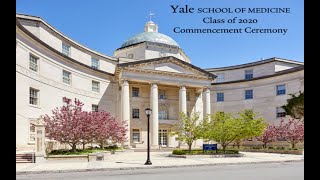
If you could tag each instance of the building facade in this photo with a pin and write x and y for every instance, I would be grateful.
(148, 70)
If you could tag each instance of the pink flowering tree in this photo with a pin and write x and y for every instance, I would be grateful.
(270, 134)
(108, 128)
(88, 129)
(66, 124)
(292, 131)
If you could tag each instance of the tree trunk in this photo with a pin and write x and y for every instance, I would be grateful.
(101, 145)
(224, 148)
(83, 145)
(74, 147)
(238, 144)
(265, 145)
(293, 145)
(189, 144)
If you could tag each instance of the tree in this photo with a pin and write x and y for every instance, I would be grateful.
(250, 126)
(223, 128)
(270, 134)
(107, 128)
(70, 124)
(292, 131)
(187, 128)
(295, 106)
(66, 124)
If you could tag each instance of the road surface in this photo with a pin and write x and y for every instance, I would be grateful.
(267, 171)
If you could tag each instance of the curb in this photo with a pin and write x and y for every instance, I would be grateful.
(146, 167)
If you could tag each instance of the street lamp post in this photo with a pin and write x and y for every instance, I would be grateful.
(148, 113)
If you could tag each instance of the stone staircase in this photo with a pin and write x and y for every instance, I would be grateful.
(164, 149)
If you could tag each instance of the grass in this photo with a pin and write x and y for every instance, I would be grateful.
(201, 152)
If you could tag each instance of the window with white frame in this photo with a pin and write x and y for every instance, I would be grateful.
(162, 94)
(135, 114)
(248, 74)
(135, 92)
(220, 77)
(281, 89)
(163, 114)
(34, 96)
(95, 108)
(188, 96)
(66, 77)
(95, 86)
(65, 49)
(249, 94)
(33, 63)
(220, 97)
(135, 135)
(32, 132)
(94, 63)
(281, 112)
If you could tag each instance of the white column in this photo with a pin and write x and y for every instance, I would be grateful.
(125, 114)
(183, 99)
(207, 109)
(154, 115)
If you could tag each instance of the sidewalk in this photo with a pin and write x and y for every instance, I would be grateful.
(136, 160)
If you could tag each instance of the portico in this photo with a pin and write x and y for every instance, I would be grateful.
(164, 93)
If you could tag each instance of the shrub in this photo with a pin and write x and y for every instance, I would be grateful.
(270, 147)
(179, 152)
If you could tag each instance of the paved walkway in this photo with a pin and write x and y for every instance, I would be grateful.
(136, 160)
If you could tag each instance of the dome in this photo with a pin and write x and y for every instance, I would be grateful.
(150, 37)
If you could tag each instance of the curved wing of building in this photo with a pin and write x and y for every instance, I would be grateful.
(148, 70)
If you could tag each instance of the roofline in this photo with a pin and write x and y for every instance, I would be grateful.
(254, 64)
(39, 19)
(144, 42)
(288, 71)
(56, 51)
(168, 57)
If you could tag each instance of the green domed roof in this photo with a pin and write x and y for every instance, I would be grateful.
(150, 37)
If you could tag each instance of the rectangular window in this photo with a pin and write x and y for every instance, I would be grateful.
(34, 96)
(32, 132)
(95, 86)
(135, 114)
(220, 97)
(281, 112)
(66, 77)
(135, 135)
(248, 74)
(65, 49)
(220, 77)
(33, 63)
(188, 96)
(163, 114)
(135, 92)
(281, 89)
(94, 63)
(162, 94)
(95, 108)
(249, 94)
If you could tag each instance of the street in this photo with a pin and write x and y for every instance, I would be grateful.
(265, 171)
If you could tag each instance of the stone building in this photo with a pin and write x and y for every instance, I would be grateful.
(148, 70)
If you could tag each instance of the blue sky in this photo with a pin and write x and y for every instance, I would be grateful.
(105, 25)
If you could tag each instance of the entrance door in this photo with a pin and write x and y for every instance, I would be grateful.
(163, 137)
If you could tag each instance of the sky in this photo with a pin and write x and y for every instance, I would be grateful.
(105, 25)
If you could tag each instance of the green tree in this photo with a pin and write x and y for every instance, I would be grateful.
(222, 128)
(295, 105)
(251, 125)
(187, 128)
